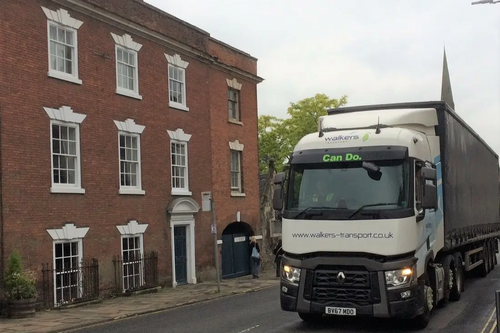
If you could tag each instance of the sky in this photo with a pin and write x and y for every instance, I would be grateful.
(374, 52)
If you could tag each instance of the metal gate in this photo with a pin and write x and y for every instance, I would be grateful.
(180, 251)
(235, 255)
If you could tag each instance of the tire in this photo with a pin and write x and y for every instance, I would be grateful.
(449, 278)
(484, 268)
(422, 320)
(492, 255)
(495, 244)
(458, 277)
(487, 257)
(309, 317)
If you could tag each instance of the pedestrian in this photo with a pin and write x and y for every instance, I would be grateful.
(255, 257)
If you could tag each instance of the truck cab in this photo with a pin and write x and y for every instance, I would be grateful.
(362, 217)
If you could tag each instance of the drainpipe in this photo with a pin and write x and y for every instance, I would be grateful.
(2, 222)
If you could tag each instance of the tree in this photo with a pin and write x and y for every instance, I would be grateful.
(278, 137)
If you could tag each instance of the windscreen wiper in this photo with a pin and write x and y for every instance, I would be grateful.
(371, 205)
(315, 213)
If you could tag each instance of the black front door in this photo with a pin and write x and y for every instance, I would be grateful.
(180, 254)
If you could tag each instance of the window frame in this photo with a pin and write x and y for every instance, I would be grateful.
(180, 190)
(79, 242)
(67, 188)
(61, 19)
(124, 189)
(127, 44)
(179, 136)
(239, 188)
(236, 147)
(74, 78)
(177, 105)
(134, 93)
(237, 105)
(140, 260)
(234, 85)
(175, 61)
(130, 128)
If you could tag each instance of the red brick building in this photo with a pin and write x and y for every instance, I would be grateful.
(115, 116)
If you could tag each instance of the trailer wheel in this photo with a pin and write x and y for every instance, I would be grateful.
(494, 242)
(492, 254)
(484, 268)
(495, 245)
(309, 317)
(458, 279)
(460, 261)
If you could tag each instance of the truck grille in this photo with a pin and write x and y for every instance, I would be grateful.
(358, 296)
(350, 279)
(342, 286)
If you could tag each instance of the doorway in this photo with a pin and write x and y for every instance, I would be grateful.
(180, 250)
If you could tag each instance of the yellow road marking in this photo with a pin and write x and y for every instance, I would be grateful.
(488, 322)
(494, 326)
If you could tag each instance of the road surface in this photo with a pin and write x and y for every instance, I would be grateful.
(260, 312)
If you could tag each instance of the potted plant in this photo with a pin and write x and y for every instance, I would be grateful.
(20, 288)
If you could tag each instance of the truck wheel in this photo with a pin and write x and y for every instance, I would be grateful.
(484, 268)
(422, 320)
(309, 317)
(449, 278)
(495, 245)
(492, 255)
(458, 279)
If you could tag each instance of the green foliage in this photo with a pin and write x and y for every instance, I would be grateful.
(278, 137)
(19, 284)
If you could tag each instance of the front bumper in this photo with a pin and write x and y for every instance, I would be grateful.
(368, 294)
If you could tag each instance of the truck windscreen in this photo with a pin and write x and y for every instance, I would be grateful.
(348, 190)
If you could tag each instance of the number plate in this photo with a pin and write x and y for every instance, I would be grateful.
(340, 311)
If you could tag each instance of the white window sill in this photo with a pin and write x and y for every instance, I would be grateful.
(178, 106)
(131, 191)
(128, 93)
(64, 76)
(234, 121)
(238, 194)
(181, 192)
(68, 190)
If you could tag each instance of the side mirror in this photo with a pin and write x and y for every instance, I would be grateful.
(277, 199)
(429, 174)
(429, 199)
(279, 178)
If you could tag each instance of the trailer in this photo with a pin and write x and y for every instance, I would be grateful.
(384, 209)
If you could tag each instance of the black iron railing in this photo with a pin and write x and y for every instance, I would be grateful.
(64, 286)
(136, 272)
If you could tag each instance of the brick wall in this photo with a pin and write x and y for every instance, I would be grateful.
(29, 209)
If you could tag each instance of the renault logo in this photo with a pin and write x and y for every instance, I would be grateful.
(341, 277)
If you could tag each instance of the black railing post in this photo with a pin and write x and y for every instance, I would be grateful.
(85, 276)
(96, 276)
(148, 264)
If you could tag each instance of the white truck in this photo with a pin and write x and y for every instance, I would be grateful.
(383, 211)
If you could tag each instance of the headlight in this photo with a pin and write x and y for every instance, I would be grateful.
(291, 274)
(399, 278)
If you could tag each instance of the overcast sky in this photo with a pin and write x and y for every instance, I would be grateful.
(380, 51)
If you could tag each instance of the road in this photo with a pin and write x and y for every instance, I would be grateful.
(260, 312)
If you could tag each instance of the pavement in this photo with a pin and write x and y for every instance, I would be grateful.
(108, 310)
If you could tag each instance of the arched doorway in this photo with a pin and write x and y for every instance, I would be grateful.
(236, 250)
